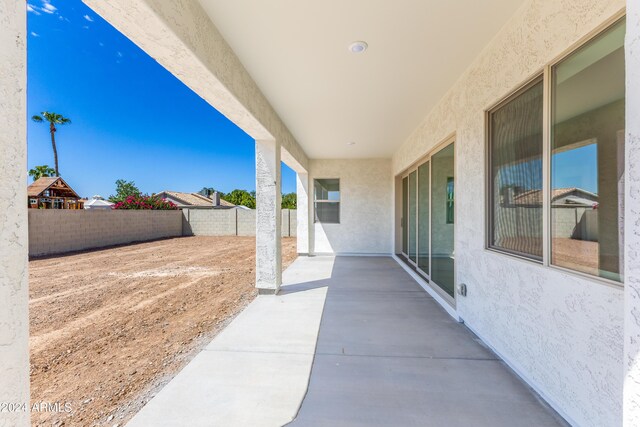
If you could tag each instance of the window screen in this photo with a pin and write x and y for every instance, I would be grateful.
(515, 170)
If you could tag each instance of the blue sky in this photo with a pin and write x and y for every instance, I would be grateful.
(576, 168)
(572, 168)
(131, 119)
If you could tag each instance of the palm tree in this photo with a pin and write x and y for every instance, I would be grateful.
(40, 171)
(53, 119)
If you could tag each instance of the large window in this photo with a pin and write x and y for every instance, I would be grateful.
(583, 191)
(327, 200)
(515, 156)
(587, 157)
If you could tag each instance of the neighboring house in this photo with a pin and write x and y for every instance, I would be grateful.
(575, 215)
(560, 197)
(98, 203)
(52, 193)
(196, 200)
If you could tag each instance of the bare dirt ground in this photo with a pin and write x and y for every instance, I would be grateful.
(578, 255)
(110, 327)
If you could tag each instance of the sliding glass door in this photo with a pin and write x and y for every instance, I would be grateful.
(442, 218)
(428, 219)
(405, 211)
(413, 183)
(423, 218)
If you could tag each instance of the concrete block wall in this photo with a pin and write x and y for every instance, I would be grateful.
(293, 222)
(289, 222)
(231, 222)
(246, 222)
(209, 222)
(54, 231)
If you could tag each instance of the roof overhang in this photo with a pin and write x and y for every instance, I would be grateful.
(343, 105)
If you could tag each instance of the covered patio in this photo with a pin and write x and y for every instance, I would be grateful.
(374, 348)
(428, 138)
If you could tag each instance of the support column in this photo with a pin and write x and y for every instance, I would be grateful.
(268, 217)
(14, 297)
(631, 390)
(305, 224)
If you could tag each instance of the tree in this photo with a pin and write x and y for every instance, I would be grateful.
(40, 171)
(53, 119)
(124, 189)
(289, 201)
(240, 198)
(139, 202)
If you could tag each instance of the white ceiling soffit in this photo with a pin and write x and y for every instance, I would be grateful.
(297, 52)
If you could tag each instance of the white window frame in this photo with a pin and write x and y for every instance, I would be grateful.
(316, 200)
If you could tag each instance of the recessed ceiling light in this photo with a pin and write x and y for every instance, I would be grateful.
(351, 143)
(358, 47)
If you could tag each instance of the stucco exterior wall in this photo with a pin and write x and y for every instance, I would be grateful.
(632, 226)
(14, 295)
(562, 332)
(54, 231)
(365, 207)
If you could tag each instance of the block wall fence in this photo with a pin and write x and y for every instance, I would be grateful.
(55, 231)
(230, 222)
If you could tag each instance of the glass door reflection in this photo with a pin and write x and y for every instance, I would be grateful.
(442, 219)
(412, 216)
(423, 217)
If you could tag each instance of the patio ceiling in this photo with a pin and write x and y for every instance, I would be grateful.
(297, 52)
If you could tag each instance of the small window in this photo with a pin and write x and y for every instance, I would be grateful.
(327, 200)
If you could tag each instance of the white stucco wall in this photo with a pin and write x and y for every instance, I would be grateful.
(632, 226)
(365, 207)
(14, 296)
(303, 218)
(563, 333)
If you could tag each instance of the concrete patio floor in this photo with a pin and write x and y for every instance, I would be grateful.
(350, 341)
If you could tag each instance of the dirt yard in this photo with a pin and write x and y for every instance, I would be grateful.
(110, 327)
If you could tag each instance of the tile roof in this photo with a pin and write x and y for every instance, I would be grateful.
(194, 199)
(534, 197)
